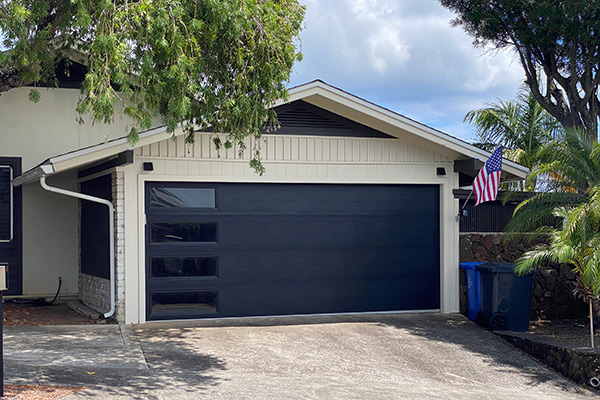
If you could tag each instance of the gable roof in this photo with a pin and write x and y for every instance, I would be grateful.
(317, 93)
(362, 111)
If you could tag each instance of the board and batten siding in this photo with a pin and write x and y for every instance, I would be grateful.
(296, 156)
(287, 158)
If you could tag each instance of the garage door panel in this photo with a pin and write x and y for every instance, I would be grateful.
(327, 297)
(373, 231)
(290, 266)
(294, 249)
(323, 199)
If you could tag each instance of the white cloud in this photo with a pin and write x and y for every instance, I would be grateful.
(403, 55)
(387, 49)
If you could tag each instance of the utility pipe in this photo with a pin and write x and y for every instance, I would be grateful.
(111, 230)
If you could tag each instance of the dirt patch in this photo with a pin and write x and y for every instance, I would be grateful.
(568, 332)
(58, 314)
(18, 392)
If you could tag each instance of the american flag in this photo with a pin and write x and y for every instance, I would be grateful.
(486, 183)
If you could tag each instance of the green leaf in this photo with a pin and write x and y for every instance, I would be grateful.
(34, 95)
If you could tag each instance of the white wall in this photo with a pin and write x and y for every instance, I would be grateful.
(35, 132)
(50, 244)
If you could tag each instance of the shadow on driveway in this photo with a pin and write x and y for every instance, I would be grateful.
(104, 359)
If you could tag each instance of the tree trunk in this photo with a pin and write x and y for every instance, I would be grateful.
(591, 323)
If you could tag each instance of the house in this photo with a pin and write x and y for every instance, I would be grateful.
(356, 212)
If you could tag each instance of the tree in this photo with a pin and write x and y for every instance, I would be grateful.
(558, 38)
(571, 165)
(577, 243)
(568, 214)
(196, 63)
(522, 126)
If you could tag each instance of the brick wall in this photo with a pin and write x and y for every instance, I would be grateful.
(119, 203)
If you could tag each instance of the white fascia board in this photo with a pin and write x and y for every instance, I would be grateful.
(90, 155)
(95, 153)
(319, 88)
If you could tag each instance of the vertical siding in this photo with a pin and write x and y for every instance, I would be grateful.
(295, 149)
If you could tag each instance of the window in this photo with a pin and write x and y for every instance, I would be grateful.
(182, 197)
(168, 267)
(165, 304)
(169, 232)
(6, 204)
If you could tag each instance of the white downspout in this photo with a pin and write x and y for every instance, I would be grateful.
(111, 230)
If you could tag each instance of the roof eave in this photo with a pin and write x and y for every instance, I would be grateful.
(87, 155)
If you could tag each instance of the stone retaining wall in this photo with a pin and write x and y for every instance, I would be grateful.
(577, 364)
(552, 287)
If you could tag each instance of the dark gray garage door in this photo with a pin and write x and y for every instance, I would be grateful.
(222, 250)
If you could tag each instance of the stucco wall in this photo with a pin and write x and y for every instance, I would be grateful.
(36, 131)
(50, 226)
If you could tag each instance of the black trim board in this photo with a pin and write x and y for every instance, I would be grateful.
(123, 158)
(12, 252)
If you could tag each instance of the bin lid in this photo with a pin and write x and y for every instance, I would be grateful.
(497, 267)
(470, 265)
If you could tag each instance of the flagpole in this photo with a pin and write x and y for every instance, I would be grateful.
(460, 212)
(486, 181)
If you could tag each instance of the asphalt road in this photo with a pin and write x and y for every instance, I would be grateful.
(402, 356)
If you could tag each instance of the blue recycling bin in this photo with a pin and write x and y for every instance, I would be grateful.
(505, 297)
(473, 288)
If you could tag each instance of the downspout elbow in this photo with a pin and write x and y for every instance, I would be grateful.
(111, 227)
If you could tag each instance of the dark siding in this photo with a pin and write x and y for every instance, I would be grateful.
(302, 118)
(68, 75)
(486, 217)
(95, 238)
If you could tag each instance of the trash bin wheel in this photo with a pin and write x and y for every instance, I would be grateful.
(478, 318)
(498, 321)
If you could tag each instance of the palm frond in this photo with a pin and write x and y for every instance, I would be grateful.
(538, 211)
(534, 259)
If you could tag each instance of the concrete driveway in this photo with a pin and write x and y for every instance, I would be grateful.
(426, 356)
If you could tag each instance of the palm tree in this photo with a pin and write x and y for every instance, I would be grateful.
(521, 126)
(570, 169)
(577, 243)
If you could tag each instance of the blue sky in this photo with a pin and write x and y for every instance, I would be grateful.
(405, 56)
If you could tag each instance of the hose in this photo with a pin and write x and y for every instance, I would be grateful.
(38, 302)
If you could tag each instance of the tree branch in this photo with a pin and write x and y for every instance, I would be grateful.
(9, 79)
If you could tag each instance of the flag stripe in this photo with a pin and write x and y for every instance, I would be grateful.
(487, 181)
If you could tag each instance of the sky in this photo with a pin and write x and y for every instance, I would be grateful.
(404, 55)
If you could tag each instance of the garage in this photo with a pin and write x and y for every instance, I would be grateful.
(252, 249)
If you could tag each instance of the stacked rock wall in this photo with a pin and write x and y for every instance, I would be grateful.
(552, 287)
